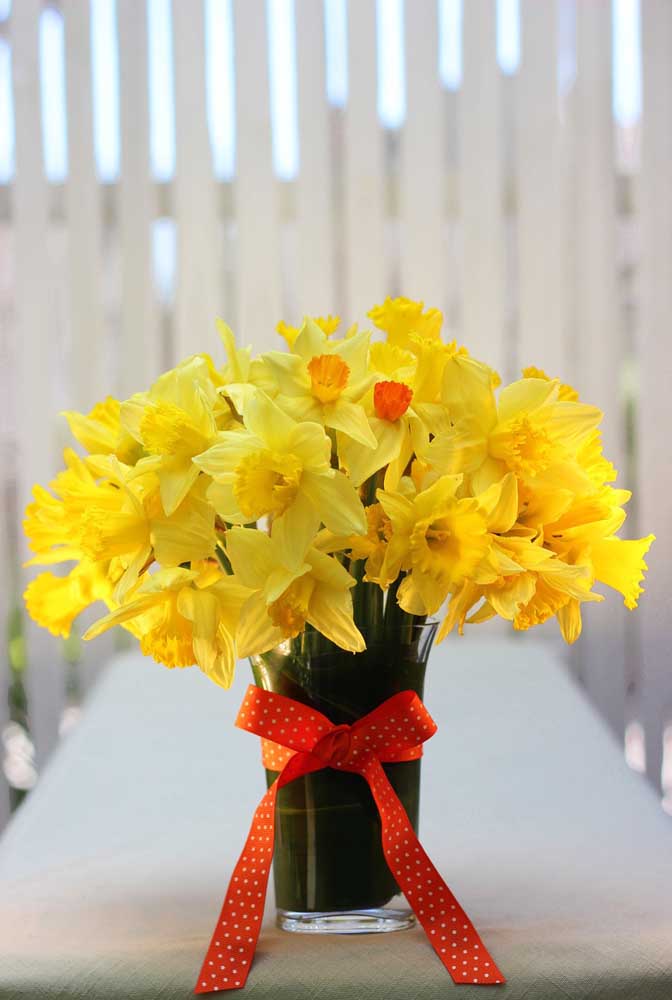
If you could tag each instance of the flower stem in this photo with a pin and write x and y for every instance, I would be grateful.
(223, 560)
(367, 600)
(398, 625)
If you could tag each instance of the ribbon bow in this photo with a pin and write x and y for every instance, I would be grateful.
(297, 740)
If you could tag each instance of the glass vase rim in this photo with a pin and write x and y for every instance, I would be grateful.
(311, 641)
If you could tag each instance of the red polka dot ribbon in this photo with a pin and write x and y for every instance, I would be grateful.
(298, 740)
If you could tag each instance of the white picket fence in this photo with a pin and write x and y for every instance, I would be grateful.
(512, 201)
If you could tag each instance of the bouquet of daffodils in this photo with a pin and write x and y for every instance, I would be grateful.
(348, 484)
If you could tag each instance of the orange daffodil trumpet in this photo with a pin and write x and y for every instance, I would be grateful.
(234, 506)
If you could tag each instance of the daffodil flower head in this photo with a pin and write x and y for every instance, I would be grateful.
(402, 319)
(290, 589)
(324, 380)
(182, 618)
(101, 431)
(369, 547)
(438, 536)
(327, 324)
(173, 422)
(280, 467)
(54, 602)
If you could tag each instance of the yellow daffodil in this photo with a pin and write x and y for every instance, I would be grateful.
(53, 524)
(290, 589)
(184, 617)
(139, 532)
(327, 324)
(54, 602)
(406, 324)
(175, 421)
(565, 391)
(528, 430)
(323, 381)
(369, 547)
(585, 534)
(394, 427)
(101, 431)
(441, 539)
(242, 373)
(281, 468)
(403, 412)
(534, 585)
(101, 520)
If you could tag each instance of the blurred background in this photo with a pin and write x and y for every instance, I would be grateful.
(164, 162)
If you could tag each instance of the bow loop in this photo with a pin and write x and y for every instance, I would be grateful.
(398, 725)
(282, 720)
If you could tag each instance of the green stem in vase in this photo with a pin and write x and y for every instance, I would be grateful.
(398, 623)
(367, 601)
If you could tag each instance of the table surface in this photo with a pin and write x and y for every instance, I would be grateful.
(113, 872)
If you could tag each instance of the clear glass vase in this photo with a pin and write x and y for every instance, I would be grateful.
(329, 869)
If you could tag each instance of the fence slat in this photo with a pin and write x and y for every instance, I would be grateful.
(314, 189)
(6, 599)
(363, 173)
(86, 361)
(257, 251)
(597, 347)
(8, 526)
(36, 360)
(480, 187)
(199, 236)
(138, 351)
(540, 196)
(423, 162)
(654, 417)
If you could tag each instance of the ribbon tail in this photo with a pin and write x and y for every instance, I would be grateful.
(231, 950)
(448, 928)
(229, 956)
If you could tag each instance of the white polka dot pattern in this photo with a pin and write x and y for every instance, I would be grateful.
(296, 741)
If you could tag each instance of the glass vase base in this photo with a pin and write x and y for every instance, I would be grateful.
(380, 920)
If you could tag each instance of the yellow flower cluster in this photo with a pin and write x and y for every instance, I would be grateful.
(228, 509)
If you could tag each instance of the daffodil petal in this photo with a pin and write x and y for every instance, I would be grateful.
(256, 632)
(223, 499)
(500, 502)
(409, 598)
(268, 422)
(620, 564)
(289, 373)
(124, 613)
(467, 391)
(176, 480)
(525, 395)
(351, 419)
(336, 501)
(295, 530)
(231, 447)
(329, 571)
(213, 646)
(250, 553)
(330, 612)
(362, 461)
(569, 620)
(311, 445)
(310, 341)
